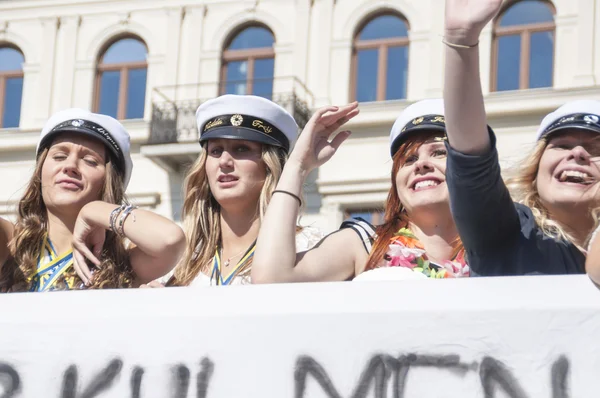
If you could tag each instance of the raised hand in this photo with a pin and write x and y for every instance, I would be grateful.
(314, 146)
(465, 19)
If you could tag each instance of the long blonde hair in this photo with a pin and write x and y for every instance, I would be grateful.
(201, 214)
(522, 184)
(32, 226)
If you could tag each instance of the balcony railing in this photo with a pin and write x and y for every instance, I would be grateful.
(174, 107)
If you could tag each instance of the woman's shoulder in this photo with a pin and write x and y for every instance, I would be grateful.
(365, 230)
(361, 223)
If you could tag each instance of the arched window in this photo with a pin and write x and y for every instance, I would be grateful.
(11, 86)
(121, 80)
(248, 64)
(380, 60)
(523, 55)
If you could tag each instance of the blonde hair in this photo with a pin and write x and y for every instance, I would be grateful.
(201, 215)
(32, 226)
(522, 184)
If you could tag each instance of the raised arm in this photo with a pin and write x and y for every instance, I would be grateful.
(463, 99)
(6, 234)
(275, 258)
(484, 212)
(157, 241)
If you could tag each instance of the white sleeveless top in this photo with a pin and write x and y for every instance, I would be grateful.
(305, 239)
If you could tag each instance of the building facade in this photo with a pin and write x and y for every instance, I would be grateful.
(151, 63)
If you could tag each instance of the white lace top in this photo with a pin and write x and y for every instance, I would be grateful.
(305, 239)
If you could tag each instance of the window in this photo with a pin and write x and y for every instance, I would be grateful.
(11, 86)
(371, 215)
(121, 80)
(248, 64)
(523, 55)
(380, 60)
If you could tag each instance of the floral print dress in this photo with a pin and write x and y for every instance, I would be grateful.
(407, 253)
(405, 250)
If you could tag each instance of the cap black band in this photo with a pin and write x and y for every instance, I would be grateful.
(87, 126)
(248, 122)
(575, 119)
(426, 120)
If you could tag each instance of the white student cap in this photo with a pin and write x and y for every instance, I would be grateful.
(246, 117)
(581, 114)
(425, 115)
(104, 128)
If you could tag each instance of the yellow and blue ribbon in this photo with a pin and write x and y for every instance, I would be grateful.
(50, 267)
(217, 272)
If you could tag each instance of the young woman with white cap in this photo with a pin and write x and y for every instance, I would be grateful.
(418, 238)
(72, 211)
(245, 141)
(556, 186)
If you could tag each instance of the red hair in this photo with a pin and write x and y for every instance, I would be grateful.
(395, 216)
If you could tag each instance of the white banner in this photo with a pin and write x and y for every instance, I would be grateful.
(486, 337)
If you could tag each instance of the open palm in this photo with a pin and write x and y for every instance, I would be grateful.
(314, 146)
(466, 18)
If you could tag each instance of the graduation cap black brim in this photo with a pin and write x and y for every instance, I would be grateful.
(572, 126)
(244, 133)
(410, 132)
(47, 141)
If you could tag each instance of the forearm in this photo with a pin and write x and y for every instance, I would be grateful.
(275, 255)
(463, 99)
(479, 198)
(275, 258)
(160, 239)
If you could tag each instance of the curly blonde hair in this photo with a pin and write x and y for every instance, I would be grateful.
(201, 214)
(522, 183)
(31, 228)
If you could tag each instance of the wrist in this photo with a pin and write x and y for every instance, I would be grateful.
(297, 168)
(462, 37)
(88, 210)
(93, 213)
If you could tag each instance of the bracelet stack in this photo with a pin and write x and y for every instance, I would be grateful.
(121, 213)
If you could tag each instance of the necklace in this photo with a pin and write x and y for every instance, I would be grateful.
(226, 263)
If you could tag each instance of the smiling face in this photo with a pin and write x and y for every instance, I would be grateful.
(235, 170)
(569, 173)
(421, 174)
(73, 173)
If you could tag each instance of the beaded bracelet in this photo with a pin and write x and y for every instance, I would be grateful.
(124, 215)
(113, 217)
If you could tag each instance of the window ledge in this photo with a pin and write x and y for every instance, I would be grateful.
(348, 186)
(17, 139)
(139, 129)
(498, 104)
(518, 102)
